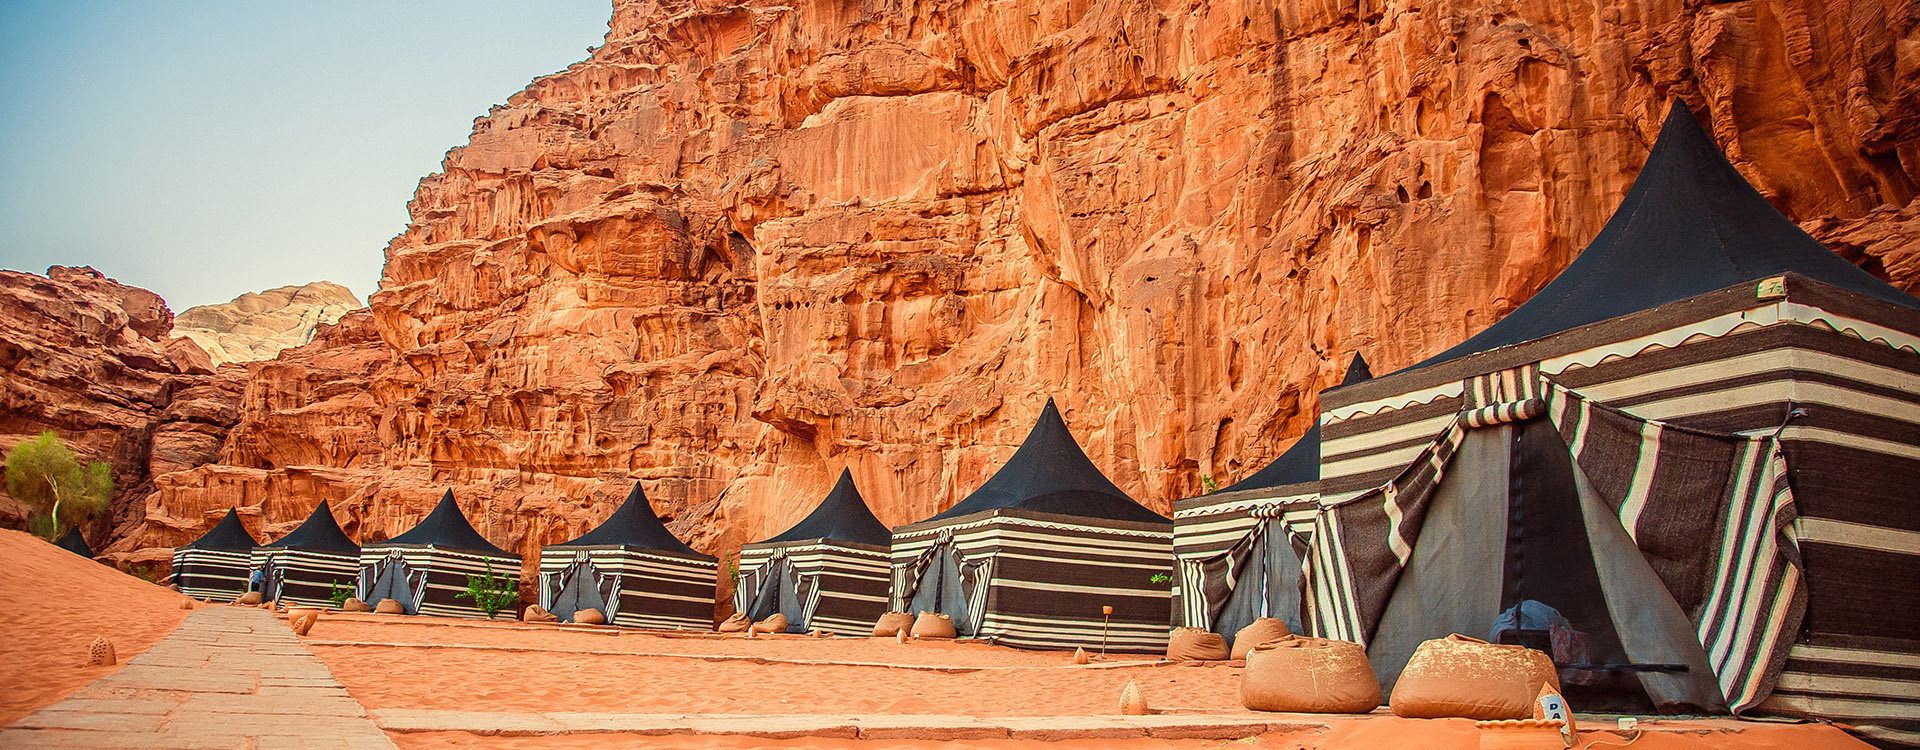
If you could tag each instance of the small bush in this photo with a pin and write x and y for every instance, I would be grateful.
(491, 593)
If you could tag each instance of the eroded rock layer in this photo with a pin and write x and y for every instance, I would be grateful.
(258, 325)
(743, 245)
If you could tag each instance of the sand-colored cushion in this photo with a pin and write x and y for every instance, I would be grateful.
(355, 605)
(735, 623)
(1259, 631)
(589, 616)
(389, 607)
(1469, 678)
(250, 599)
(1310, 675)
(1196, 644)
(775, 624)
(303, 622)
(537, 613)
(890, 624)
(933, 625)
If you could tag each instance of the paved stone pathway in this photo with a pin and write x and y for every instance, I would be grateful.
(229, 677)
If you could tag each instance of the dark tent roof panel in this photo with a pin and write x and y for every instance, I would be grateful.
(73, 542)
(319, 533)
(634, 524)
(1691, 224)
(1050, 474)
(447, 527)
(229, 534)
(843, 516)
(1301, 462)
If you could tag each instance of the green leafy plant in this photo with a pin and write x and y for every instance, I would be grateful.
(338, 594)
(1160, 578)
(1206, 481)
(149, 572)
(491, 593)
(733, 569)
(63, 492)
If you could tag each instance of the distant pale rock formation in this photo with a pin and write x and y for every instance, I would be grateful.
(258, 325)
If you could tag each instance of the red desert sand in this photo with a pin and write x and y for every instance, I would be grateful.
(53, 603)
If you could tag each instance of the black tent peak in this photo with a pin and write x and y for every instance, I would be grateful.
(1300, 462)
(843, 516)
(447, 527)
(634, 524)
(74, 542)
(1691, 224)
(1049, 473)
(229, 534)
(319, 533)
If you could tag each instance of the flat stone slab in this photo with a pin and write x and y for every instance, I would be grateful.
(227, 677)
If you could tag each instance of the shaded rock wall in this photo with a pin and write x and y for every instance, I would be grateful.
(743, 245)
(258, 325)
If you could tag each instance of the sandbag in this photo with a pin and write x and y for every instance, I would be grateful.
(1257, 632)
(735, 623)
(589, 616)
(891, 623)
(1459, 676)
(775, 624)
(355, 605)
(249, 599)
(537, 613)
(1196, 644)
(1310, 675)
(389, 607)
(933, 625)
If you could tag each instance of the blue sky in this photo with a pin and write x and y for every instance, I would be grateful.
(206, 149)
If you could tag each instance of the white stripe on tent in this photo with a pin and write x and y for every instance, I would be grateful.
(1854, 656)
(1643, 469)
(1395, 402)
(1862, 536)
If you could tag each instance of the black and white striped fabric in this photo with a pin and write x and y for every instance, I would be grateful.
(1216, 538)
(842, 586)
(436, 576)
(642, 588)
(1038, 580)
(304, 577)
(214, 575)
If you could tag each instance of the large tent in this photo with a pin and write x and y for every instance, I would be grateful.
(1032, 556)
(1685, 467)
(1238, 549)
(74, 542)
(427, 568)
(216, 566)
(829, 572)
(306, 566)
(633, 570)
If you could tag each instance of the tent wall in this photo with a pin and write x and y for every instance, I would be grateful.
(652, 589)
(445, 572)
(304, 577)
(1047, 577)
(1210, 529)
(214, 575)
(843, 587)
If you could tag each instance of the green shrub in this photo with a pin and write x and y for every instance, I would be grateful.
(491, 593)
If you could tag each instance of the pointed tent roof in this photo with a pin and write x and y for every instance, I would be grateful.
(447, 527)
(73, 542)
(843, 516)
(229, 534)
(1301, 462)
(1691, 224)
(1050, 474)
(634, 524)
(319, 533)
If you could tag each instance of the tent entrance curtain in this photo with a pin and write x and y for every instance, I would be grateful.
(394, 579)
(582, 586)
(779, 592)
(944, 581)
(1259, 576)
(271, 576)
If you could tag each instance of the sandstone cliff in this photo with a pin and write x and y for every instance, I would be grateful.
(258, 325)
(742, 245)
(89, 358)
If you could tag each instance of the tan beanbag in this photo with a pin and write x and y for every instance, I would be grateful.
(355, 605)
(1259, 631)
(249, 599)
(1464, 677)
(1196, 644)
(775, 624)
(537, 613)
(735, 623)
(891, 623)
(389, 607)
(303, 623)
(1310, 675)
(933, 625)
(589, 616)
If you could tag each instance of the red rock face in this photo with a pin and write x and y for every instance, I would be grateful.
(89, 358)
(741, 246)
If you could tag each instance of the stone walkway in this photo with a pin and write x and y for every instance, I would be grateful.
(229, 677)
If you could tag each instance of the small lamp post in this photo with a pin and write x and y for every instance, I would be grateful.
(1106, 618)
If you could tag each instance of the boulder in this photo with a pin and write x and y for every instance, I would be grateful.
(1257, 632)
(1310, 675)
(891, 623)
(1468, 678)
(1197, 644)
(933, 625)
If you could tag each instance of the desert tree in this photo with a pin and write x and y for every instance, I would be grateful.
(63, 491)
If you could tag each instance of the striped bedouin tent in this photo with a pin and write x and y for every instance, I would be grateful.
(1032, 557)
(633, 570)
(427, 569)
(1238, 549)
(1685, 467)
(216, 567)
(829, 572)
(309, 564)
(74, 542)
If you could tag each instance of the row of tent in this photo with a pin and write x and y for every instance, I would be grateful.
(1685, 468)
